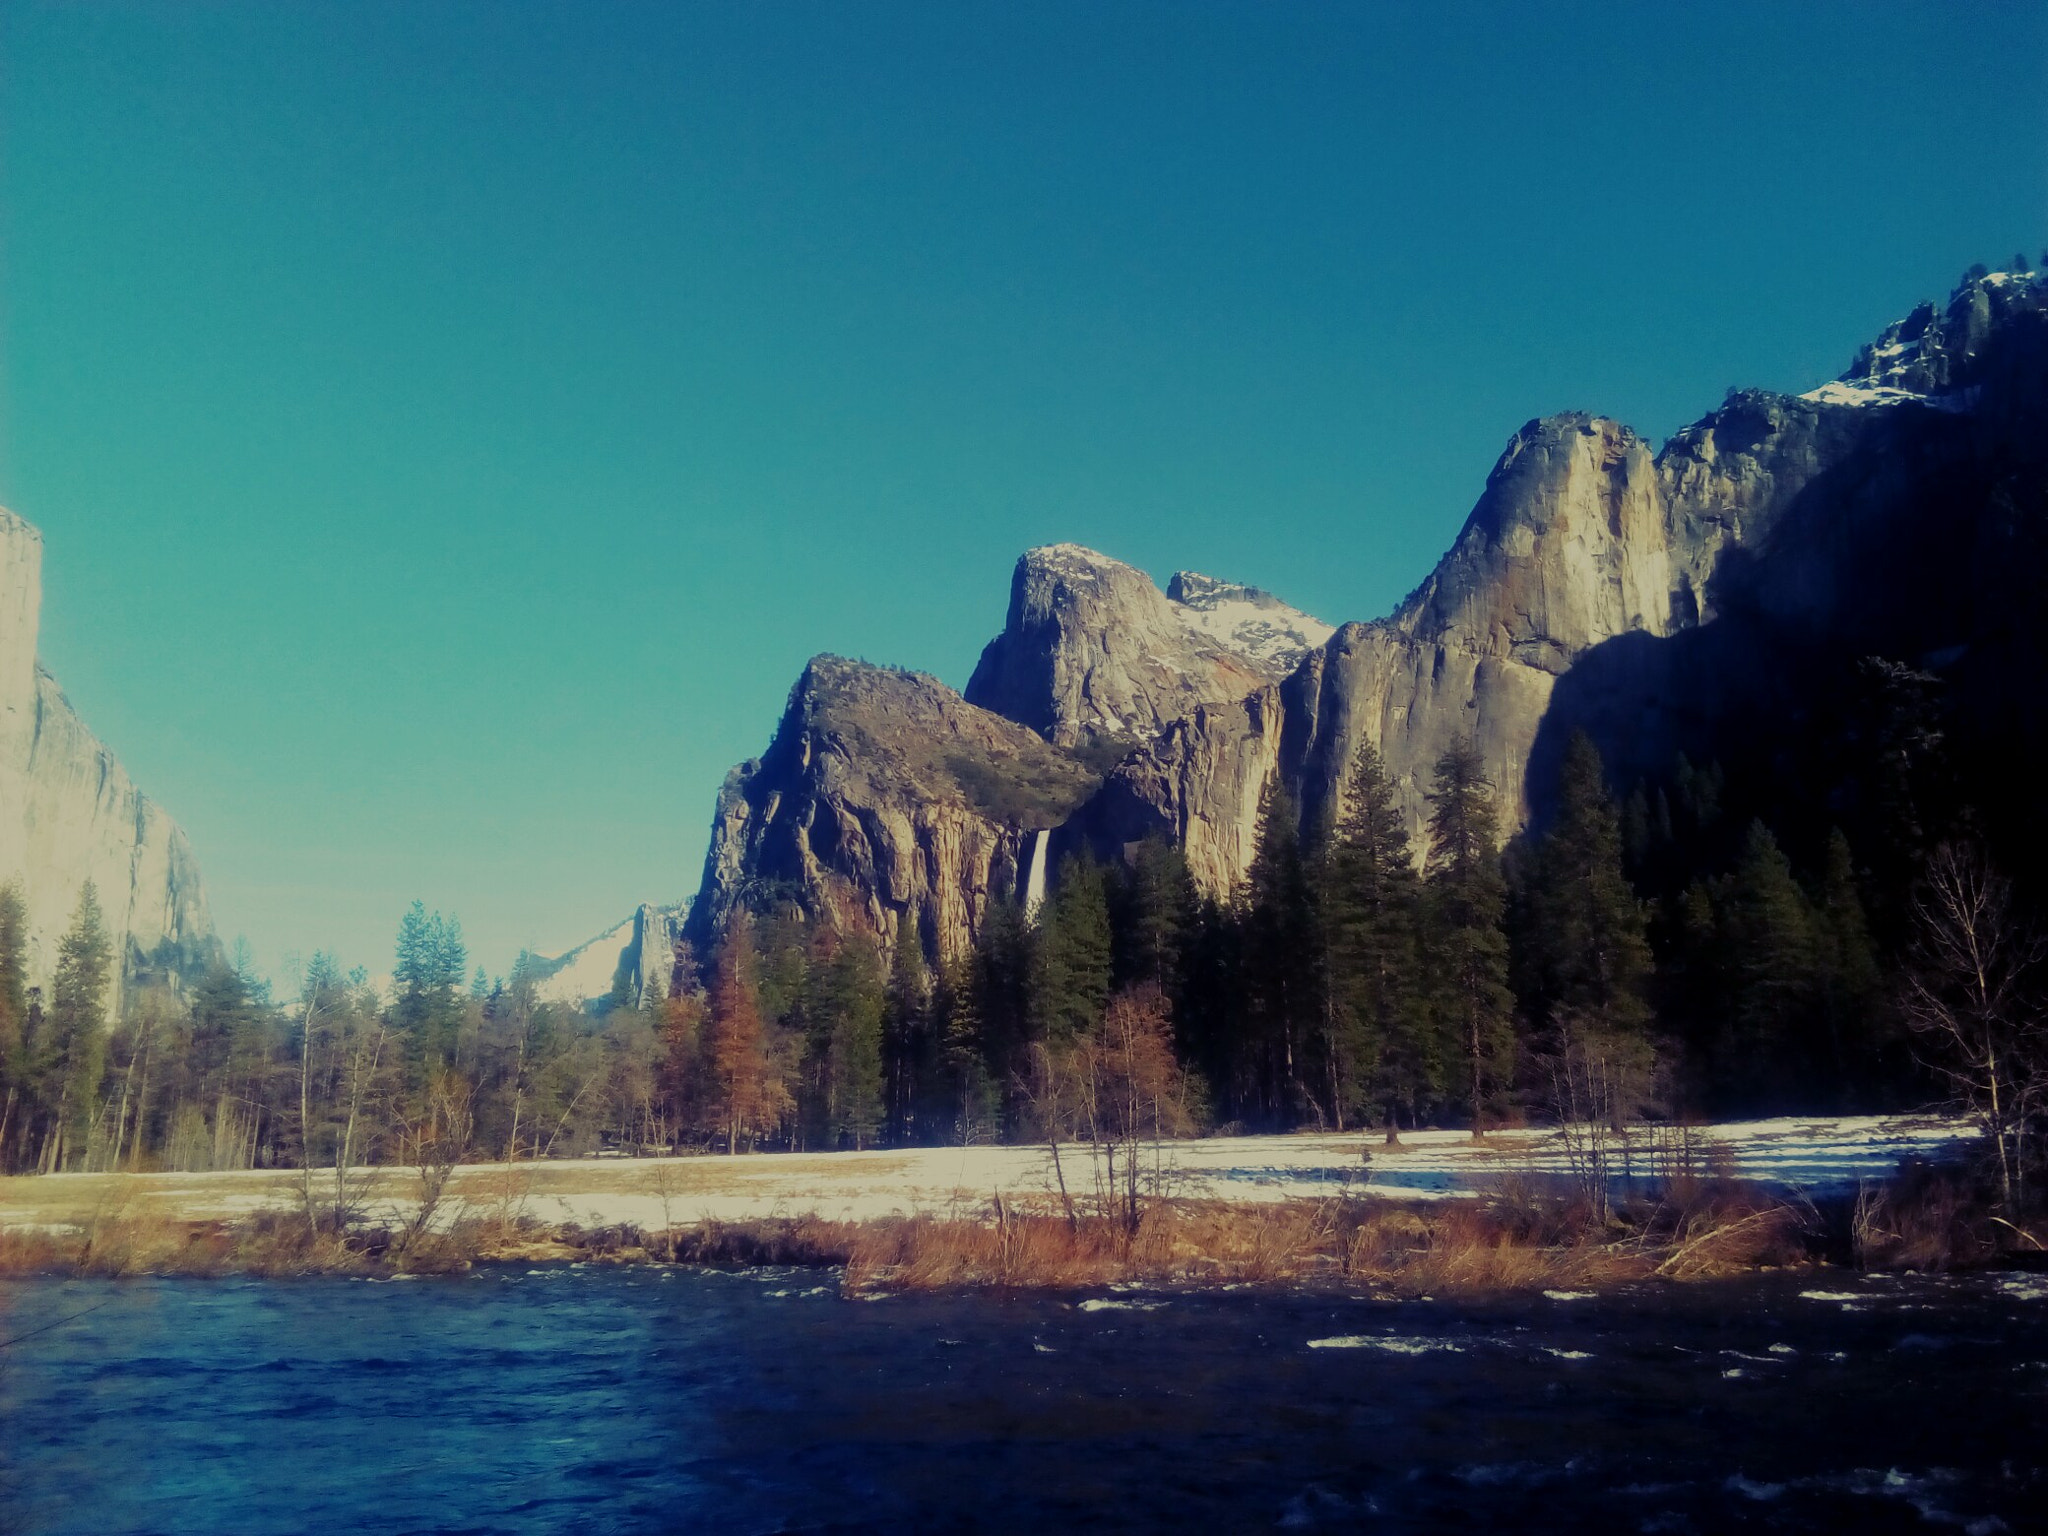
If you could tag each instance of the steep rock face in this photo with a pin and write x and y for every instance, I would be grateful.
(885, 803)
(1198, 785)
(1567, 547)
(69, 813)
(1092, 650)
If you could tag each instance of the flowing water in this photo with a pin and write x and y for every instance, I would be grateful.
(585, 1399)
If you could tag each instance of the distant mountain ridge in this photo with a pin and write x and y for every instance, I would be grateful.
(632, 960)
(1654, 598)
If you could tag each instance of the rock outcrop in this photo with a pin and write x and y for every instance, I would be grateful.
(886, 804)
(69, 813)
(1093, 651)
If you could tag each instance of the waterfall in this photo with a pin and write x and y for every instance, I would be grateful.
(1034, 880)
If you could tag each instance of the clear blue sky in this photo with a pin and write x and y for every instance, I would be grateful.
(453, 425)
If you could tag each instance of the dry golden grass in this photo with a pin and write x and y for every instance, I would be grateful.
(1518, 1239)
(1456, 1247)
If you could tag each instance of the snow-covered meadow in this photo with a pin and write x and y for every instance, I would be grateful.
(1815, 1155)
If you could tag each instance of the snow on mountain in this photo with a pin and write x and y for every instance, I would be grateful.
(585, 973)
(1920, 360)
(1252, 623)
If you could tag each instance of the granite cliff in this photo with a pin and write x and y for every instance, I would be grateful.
(887, 803)
(1656, 599)
(69, 812)
(1664, 600)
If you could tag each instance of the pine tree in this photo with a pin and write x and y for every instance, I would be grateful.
(1214, 1003)
(1692, 992)
(1152, 908)
(1768, 934)
(1283, 960)
(1465, 948)
(1850, 983)
(1073, 953)
(13, 1010)
(77, 1026)
(853, 1005)
(969, 1100)
(1377, 1037)
(681, 1074)
(908, 1054)
(1006, 979)
(1592, 959)
(428, 977)
(1583, 959)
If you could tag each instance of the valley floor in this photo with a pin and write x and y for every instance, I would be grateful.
(1812, 1155)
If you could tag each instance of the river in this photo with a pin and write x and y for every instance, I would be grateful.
(644, 1399)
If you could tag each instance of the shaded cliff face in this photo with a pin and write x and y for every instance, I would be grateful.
(69, 813)
(1651, 599)
(886, 803)
(1093, 651)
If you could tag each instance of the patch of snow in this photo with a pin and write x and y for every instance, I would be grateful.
(585, 974)
(1803, 1153)
(1246, 621)
(2025, 1287)
(1841, 392)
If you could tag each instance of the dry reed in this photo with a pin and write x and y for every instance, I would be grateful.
(1520, 1237)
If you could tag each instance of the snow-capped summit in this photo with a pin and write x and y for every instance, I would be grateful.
(1246, 620)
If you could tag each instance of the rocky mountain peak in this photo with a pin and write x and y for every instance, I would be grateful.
(639, 952)
(887, 804)
(1564, 548)
(1927, 357)
(1093, 651)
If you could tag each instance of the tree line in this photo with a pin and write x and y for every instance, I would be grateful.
(1632, 955)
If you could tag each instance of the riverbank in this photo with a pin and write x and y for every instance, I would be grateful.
(1437, 1212)
(1517, 1239)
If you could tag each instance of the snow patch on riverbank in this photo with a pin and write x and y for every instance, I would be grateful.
(1816, 1155)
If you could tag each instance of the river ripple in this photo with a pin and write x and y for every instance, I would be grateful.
(640, 1399)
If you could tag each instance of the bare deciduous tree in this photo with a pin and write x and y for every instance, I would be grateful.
(1598, 1082)
(436, 1142)
(1131, 1093)
(1971, 994)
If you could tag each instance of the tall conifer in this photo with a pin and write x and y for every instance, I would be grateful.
(1283, 959)
(1377, 1037)
(1466, 948)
